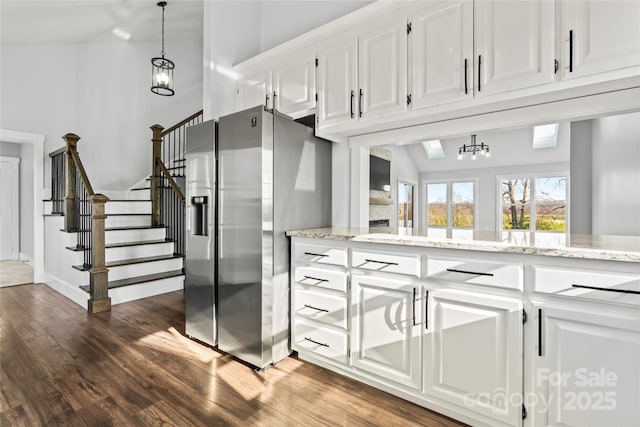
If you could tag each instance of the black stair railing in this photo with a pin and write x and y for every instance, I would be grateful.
(57, 180)
(168, 179)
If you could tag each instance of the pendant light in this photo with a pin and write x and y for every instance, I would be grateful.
(473, 148)
(162, 68)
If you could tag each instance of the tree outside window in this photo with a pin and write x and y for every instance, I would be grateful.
(450, 207)
(538, 203)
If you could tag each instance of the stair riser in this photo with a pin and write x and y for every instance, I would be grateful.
(127, 221)
(128, 207)
(144, 268)
(118, 236)
(138, 251)
(144, 290)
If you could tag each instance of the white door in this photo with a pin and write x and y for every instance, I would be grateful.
(441, 46)
(386, 329)
(294, 85)
(600, 36)
(254, 90)
(588, 367)
(514, 44)
(473, 352)
(382, 70)
(337, 83)
(9, 208)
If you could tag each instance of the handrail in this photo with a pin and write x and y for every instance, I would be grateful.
(181, 123)
(83, 173)
(173, 183)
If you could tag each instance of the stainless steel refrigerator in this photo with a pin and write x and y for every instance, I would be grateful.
(274, 176)
(200, 247)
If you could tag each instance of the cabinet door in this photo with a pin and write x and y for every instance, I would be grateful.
(587, 368)
(473, 352)
(513, 44)
(337, 83)
(382, 70)
(441, 46)
(605, 36)
(294, 86)
(387, 329)
(252, 91)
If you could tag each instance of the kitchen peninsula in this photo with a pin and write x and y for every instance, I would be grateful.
(476, 329)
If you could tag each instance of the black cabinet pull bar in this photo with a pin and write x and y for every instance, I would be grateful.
(381, 262)
(479, 68)
(598, 288)
(352, 96)
(453, 270)
(414, 307)
(315, 278)
(465, 77)
(540, 332)
(426, 310)
(316, 342)
(571, 51)
(316, 308)
(315, 254)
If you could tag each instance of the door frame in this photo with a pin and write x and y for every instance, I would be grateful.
(416, 196)
(37, 140)
(14, 200)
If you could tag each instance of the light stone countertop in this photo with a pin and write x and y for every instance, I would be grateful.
(609, 248)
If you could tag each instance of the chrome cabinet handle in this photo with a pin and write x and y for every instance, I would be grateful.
(381, 262)
(316, 342)
(315, 254)
(598, 288)
(316, 308)
(455, 270)
(316, 279)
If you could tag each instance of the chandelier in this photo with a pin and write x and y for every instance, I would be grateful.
(162, 68)
(473, 148)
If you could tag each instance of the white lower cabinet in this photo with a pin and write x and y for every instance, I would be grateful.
(473, 352)
(386, 329)
(587, 366)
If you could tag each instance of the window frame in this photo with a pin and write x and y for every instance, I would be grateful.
(532, 204)
(449, 203)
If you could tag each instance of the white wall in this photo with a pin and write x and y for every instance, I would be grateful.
(580, 205)
(616, 175)
(99, 91)
(25, 193)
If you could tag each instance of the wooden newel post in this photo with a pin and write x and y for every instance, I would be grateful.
(98, 275)
(154, 185)
(70, 171)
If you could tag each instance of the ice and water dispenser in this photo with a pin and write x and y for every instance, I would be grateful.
(200, 216)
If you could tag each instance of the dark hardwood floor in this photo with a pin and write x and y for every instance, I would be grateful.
(133, 366)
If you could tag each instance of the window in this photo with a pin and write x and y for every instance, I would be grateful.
(450, 210)
(534, 203)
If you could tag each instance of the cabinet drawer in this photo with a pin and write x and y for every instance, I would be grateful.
(320, 341)
(320, 306)
(588, 284)
(476, 272)
(320, 254)
(389, 263)
(322, 278)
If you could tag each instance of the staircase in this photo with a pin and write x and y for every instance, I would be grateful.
(144, 254)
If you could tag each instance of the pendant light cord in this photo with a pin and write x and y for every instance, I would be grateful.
(163, 31)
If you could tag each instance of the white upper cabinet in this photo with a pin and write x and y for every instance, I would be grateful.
(600, 36)
(253, 90)
(474, 351)
(441, 53)
(294, 85)
(514, 45)
(382, 69)
(338, 83)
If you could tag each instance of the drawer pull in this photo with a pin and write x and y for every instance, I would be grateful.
(315, 254)
(316, 342)
(413, 310)
(453, 270)
(539, 332)
(381, 262)
(316, 308)
(597, 288)
(316, 279)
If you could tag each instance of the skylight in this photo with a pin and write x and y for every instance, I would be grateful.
(545, 136)
(433, 149)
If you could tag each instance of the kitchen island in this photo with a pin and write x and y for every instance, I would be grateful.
(478, 327)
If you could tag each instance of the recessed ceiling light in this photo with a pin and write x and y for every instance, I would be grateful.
(118, 32)
(545, 136)
(433, 149)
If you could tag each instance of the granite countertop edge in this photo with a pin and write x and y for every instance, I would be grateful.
(473, 245)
